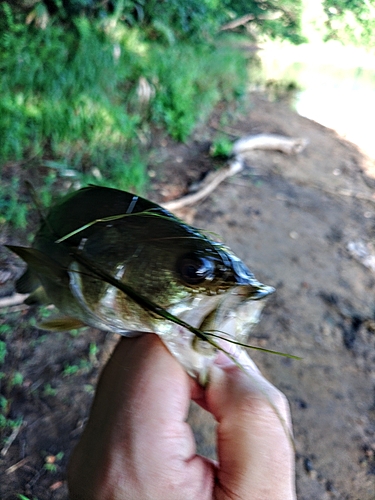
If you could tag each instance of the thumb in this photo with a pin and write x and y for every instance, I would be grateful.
(256, 458)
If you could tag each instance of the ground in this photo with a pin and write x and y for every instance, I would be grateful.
(290, 218)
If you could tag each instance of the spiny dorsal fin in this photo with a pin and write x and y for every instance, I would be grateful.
(28, 282)
(40, 263)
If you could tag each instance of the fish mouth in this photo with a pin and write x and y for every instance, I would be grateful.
(241, 305)
(229, 316)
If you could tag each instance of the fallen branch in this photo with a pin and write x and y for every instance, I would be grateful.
(262, 141)
(241, 21)
(10, 440)
(287, 145)
(13, 300)
(16, 466)
(212, 180)
(237, 22)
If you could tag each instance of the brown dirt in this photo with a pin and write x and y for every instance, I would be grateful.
(290, 219)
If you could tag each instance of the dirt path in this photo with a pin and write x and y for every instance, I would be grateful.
(290, 219)
(282, 217)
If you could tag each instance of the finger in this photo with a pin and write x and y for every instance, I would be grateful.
(136, 435)
(230, 351)
(255, 454)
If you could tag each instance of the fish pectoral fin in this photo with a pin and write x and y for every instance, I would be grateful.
(61, 324)
(39, 263)
(37, 297)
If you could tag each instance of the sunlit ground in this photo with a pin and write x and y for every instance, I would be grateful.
(338, 86)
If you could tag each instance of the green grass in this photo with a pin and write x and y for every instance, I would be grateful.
(69, 109)
(193, 80)
(3, 351)
(221, 147)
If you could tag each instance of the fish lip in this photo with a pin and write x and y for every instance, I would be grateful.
(253, 289)
(262, 291)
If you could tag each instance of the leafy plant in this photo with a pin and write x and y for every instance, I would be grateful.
(221, 147)
(7, 424)
(350, 21)
(71, 114)
(3, 351)
(17, 379)
(191, 80)
(51, 462)
(84, 365)
(48, 390)
(5, 329)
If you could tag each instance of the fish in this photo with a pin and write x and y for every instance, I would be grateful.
(115, 261)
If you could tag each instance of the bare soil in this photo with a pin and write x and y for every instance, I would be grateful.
(290, 218)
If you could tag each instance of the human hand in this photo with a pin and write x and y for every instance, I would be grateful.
(137, 445)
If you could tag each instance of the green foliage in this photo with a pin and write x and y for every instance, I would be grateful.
(70, 73)
(272, 18)
(3, 351)
(48, 390)
(5, 329)
(10, 207)
(70, 370)
(188, 19)
(50, 467)
(89, 388)
(3, 403)
(221, 147)
(16, 380)
(51, 462)
(192, 80)
(59, 92)
(70, 113)
(351, 21)
(7, 424)
(83, 366)
(181, 19)
(93, 351)
(62, 98)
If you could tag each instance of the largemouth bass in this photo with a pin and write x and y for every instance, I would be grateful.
(118, 262)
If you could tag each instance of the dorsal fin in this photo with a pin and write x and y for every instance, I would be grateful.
(40, 263)
(28, 282)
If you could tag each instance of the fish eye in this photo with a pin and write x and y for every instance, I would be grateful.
(194, 269)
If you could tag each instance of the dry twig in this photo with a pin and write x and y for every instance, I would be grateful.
(10, 440)
(262, 141)
(237, 22)
(287, 145)
(206, 187)
(16, 466)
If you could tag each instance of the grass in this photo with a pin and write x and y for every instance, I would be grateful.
(9, 379)
(70, 112)
(201, 77)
